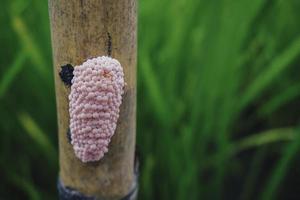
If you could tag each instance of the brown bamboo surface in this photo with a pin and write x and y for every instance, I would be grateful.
(82, 29)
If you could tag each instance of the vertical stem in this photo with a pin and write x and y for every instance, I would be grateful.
(81, 30)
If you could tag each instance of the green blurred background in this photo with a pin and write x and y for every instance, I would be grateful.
(218, 100)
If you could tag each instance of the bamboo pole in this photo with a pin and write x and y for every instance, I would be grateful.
(81, 30)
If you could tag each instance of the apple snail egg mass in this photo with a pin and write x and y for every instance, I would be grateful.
(94, 106)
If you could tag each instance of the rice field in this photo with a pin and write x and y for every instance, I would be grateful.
(218, 100)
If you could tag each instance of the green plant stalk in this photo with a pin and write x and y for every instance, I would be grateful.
(280, 169)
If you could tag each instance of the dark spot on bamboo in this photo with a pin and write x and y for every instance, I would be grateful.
(69, 136)
(109, 44)
(66, 74)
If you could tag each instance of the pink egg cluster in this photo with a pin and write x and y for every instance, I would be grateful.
(95, 98)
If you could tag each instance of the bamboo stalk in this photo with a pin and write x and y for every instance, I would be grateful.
(81, 30)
